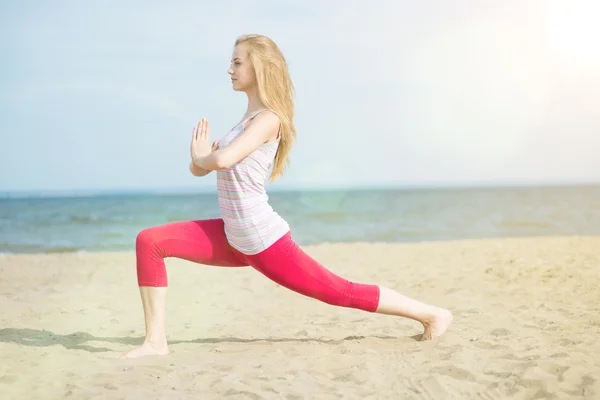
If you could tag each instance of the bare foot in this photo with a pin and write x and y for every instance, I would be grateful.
(147, 349)
(437, 325)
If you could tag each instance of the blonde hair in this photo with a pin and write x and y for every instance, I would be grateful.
(275, 91)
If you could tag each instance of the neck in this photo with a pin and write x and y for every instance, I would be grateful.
(254, 103)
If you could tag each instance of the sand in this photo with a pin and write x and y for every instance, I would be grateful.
(526, 326)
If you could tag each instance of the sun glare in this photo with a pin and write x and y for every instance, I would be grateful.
(572, 32)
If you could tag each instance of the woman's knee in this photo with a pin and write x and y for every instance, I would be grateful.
(150, 266)
(144, 237)
(147, 239)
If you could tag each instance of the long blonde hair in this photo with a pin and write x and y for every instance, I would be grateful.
(275, 91)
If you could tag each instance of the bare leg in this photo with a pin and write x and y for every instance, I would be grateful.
(202, 242)
(287, 264)
(154, 301)
(435, 320)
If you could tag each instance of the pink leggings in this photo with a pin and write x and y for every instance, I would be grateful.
(283, 262)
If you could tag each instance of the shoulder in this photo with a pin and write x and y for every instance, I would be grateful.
(266, 118)
(265, 123)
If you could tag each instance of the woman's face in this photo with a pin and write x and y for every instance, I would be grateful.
(242, 73)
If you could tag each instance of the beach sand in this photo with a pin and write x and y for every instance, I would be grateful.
(526, 326)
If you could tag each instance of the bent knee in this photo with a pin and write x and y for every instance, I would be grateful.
(146, 238)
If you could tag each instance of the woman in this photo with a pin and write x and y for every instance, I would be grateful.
(250, 232)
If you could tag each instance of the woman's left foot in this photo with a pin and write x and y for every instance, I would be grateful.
(437, 324)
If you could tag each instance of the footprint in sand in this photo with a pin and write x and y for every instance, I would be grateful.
(490, 346)
(245, 393)
(8, 379)
(110, 386)
(69, 389)
(499, 374)
(570, 342)
(500, 332)
(348, 377)
(431, 389)
(455, 372)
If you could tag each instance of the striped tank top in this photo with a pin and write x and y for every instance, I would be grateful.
(251, 224)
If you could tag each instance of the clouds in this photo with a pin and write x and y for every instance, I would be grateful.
(396, 92)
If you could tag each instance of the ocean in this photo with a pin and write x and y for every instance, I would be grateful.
(110, 222)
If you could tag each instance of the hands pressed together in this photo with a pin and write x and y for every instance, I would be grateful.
(200, 146)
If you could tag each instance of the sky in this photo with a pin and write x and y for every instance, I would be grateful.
(104, 95)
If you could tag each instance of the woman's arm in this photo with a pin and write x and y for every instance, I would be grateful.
(198, 171)
(264, 127)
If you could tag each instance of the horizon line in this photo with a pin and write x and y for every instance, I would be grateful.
(62, 193)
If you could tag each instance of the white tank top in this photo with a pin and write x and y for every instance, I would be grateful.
(251, 224)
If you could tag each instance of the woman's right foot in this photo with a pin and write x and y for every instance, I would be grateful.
(148, 349)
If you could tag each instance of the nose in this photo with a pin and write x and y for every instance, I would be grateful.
(229, 71)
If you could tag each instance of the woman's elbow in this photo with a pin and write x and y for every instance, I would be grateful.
(222, 162)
